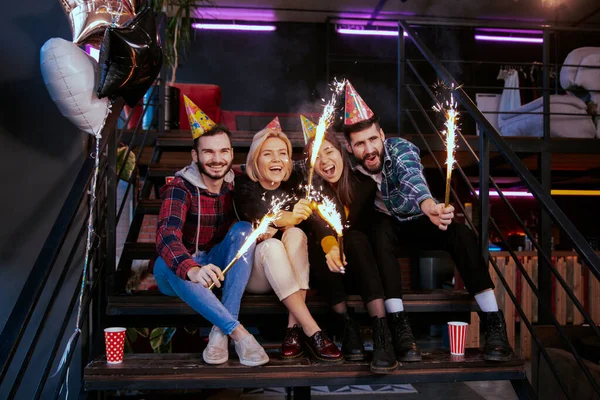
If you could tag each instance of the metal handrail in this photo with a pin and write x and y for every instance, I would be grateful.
(527, 277)
(27, 302)
(520, 266)
(514, 213)
(32, 289)
(581, 245)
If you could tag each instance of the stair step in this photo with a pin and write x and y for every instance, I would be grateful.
(154, 303)
(148, 206)
(182, 140)
(188, 371)
(139, 251)
(164, 170)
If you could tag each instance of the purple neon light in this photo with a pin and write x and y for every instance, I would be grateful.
(92, 51)
(502, 30)
(368, 32)
(233, 27)
(508, 193)
(513, 39)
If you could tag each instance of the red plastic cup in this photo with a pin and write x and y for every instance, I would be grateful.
(458, 337)
(115, 341)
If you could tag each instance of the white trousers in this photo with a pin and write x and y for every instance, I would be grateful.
(280, 265)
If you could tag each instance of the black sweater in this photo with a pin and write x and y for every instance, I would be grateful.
(360, 211)
(252, 201)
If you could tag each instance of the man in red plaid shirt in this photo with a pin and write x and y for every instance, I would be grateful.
(198, 235)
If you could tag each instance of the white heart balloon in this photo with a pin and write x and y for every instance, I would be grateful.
(70, 77)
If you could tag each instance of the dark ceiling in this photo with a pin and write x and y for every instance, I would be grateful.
(564, 12)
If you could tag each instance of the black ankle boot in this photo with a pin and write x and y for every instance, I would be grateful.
(352, 344)
(403, 340)
(384, 358)
(496, 347)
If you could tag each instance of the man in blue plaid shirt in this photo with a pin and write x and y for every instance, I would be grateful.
(408, 217)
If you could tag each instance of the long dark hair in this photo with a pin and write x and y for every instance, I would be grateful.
(344, 185)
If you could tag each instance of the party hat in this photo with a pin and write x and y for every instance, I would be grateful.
(199, 121)
(274, 125)
(308, 127)
(356, 108)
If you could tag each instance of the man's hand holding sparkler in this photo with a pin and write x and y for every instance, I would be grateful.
(334, 261)
(440, 215)
(206, 275)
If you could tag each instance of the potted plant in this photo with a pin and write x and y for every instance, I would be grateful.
(178, 16)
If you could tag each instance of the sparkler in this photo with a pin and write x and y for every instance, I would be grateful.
(326, 118)
(451, 114)
(262, 227)
(328, 211)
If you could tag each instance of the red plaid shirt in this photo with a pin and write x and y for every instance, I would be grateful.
(178, 222)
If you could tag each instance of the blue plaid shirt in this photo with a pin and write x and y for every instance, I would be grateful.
(403, 187)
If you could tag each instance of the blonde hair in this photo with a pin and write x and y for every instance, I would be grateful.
(257, 142)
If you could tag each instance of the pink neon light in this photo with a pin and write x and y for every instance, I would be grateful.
(508, 193)
(513, 39)
(234, 27)
(368, 32)
(501, 30)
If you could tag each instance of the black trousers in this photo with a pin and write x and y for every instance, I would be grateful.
(389, 236)
(362, 273)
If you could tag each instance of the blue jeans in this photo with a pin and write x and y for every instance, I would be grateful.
(224, 313)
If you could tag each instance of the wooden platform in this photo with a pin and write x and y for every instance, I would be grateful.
(188, 371)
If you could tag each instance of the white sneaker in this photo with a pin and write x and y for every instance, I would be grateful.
(250, 352)
(216, 351)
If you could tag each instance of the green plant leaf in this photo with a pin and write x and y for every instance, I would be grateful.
(132, 335)
(144, 332)
(191, 331)
(160, 339)
(129, 163)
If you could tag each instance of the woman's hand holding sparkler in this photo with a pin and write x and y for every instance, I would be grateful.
(440, 215)
(302, 211)
(206, 275)
(334, 261)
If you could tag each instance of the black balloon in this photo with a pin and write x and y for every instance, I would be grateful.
(130, 59)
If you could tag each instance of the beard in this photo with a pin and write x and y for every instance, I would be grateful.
(205, 171)
(373, 169)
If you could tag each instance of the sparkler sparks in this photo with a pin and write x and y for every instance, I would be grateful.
(326, 119)
(271, 216)
(451, 114)
(328, 212)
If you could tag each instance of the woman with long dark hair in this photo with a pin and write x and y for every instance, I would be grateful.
(354, 196)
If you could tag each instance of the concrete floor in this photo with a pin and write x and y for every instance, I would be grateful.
(499, 390)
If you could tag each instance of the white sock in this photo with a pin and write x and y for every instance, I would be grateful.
(393, 305)
(487, 301)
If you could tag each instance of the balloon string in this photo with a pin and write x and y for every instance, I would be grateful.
(88, 247)
(116, 16)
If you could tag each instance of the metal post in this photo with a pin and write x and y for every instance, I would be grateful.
(545, 170)
(327, 48)
(111, 211)
(484, 195)
(401, 68)
(162, 81)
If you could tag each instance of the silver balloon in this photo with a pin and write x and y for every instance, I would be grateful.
(69, 75)
(90, 18)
